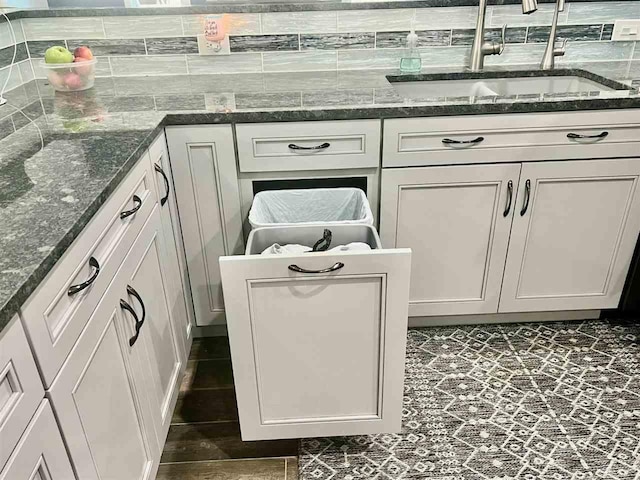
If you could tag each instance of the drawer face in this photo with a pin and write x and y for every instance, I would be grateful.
(20, 387)
(344, 325)
(509, 137)
(325, 145)
(54, 317)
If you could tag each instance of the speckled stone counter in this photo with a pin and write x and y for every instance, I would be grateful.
(93, 138)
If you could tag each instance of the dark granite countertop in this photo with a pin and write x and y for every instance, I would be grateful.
(93, 138)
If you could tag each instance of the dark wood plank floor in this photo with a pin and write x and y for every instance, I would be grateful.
(204, 438)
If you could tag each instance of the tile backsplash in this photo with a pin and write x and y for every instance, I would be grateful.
(329, 40)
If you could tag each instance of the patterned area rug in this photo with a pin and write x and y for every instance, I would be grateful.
(527, 401)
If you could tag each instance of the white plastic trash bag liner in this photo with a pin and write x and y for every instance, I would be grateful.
(309, 207)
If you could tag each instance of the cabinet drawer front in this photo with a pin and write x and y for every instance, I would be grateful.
(505, 138)
(340, 336)
(40, 453)
(53, 316)
(269, 147)
(20, 387)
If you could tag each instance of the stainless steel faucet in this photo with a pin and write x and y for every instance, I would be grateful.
(482, 48)
(551, 52)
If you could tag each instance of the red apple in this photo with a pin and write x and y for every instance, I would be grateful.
(83, 52)
(80, 69)
(73, 81)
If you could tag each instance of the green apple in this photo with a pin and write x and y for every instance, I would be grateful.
(58, 54)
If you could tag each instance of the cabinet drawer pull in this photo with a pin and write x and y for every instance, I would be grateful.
(322, 146)
(576, 136)
(138, 323)
(127, 213)
(527, 194)
(509, 198)
(93, 263)
(450, 141)
(167, 189)
(296, 268)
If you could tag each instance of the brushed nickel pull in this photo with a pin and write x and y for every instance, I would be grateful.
(336, 266)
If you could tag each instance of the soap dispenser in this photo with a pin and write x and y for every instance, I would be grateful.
(411, 62)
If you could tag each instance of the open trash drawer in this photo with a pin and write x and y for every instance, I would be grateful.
(317, 339)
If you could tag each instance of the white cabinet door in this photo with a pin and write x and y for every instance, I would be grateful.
(178, 289)
(318, 354)
(99, 410)
(571, 246)
(204, 172)
(40, 454)
(147, 292)
(456, 220)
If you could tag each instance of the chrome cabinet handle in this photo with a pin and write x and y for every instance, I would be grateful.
(138, 323)
(509, 198)
(576, 136)
(167, 189)
(322, 146)
(93, 263)
(127, 213)
(336, 266)
(449, 141)
(527, 195)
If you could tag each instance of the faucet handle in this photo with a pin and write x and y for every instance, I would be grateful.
(561, 50)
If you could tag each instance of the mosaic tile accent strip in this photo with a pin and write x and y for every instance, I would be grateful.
(512, 35)
(171, 46)
(123, 46)
(334, 41)
(575, 33)
(440, 38)
(263, 43)
(523, 401)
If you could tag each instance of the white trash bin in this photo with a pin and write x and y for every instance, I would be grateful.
(314, 206)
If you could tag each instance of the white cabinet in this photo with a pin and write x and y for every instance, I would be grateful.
(178, 287)
(565, 243)
(456, 220)
(40, 454)
(318, 353)
(117, 389)
(204, 172)
(571, 246)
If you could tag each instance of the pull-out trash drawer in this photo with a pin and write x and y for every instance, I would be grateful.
(317, 338)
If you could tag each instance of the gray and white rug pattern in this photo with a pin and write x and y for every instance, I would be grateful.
(527, 401)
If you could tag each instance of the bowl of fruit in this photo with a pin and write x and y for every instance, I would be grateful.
(70, 72)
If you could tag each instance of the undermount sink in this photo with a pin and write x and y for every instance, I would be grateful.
(424, 88)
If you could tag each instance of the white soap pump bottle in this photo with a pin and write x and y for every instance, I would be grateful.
(411, 62)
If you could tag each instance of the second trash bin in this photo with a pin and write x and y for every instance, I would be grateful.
(277, 208)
